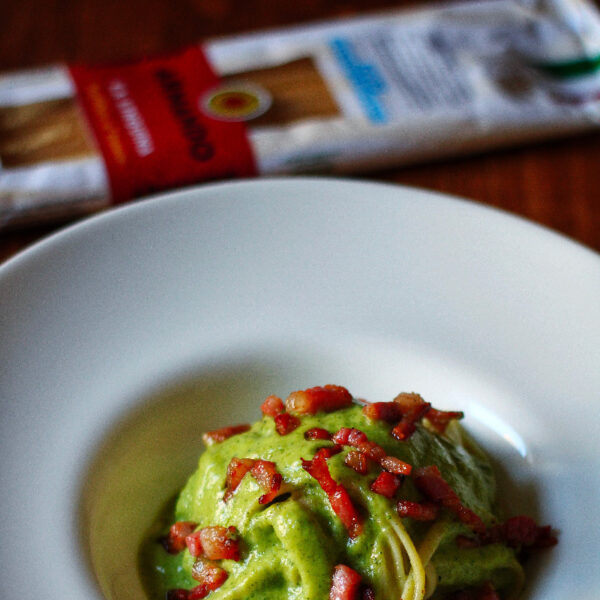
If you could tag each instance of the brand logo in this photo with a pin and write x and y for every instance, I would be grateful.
(236, 101)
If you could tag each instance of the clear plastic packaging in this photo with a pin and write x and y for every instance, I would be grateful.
(334, 97)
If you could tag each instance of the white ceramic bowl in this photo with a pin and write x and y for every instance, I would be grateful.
(124, 337)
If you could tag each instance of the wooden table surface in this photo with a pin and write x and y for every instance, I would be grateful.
(556, 183)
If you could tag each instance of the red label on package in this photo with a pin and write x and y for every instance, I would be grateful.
(150, 126)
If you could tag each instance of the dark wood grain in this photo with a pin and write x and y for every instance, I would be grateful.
(555, 183)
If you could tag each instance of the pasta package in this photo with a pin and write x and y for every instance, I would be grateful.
(344, 96)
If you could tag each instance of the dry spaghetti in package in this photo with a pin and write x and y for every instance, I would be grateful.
(333, 97)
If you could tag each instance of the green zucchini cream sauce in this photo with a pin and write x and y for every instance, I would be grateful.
(290, 547)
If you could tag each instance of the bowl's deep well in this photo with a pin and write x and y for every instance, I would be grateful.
(145, 460)
(150, 451)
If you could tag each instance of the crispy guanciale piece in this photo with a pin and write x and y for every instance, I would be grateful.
(196, 593)
(383, 411)
(265, 473)
(357, 461)
(439, 419)
(371, 450)
(407, 401)
(406, 410)
(413, 409)
(342, 436)
(220, 543)
(286, 423)
(327, 398)
(220, 435)
(545, 538)
(329, 451)
(317, 433)
(395, 465)
(345, 584)
(345, 510)
(521, 532)
(194, 544)
(347, 436)
(237, 468)
(272, 406)
(208, 573)
(174, 541)
(339, 499)
(429, 481)
(386, 484)
(317, 468)
(419, 511)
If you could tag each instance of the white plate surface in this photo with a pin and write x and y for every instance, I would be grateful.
(270, 286)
